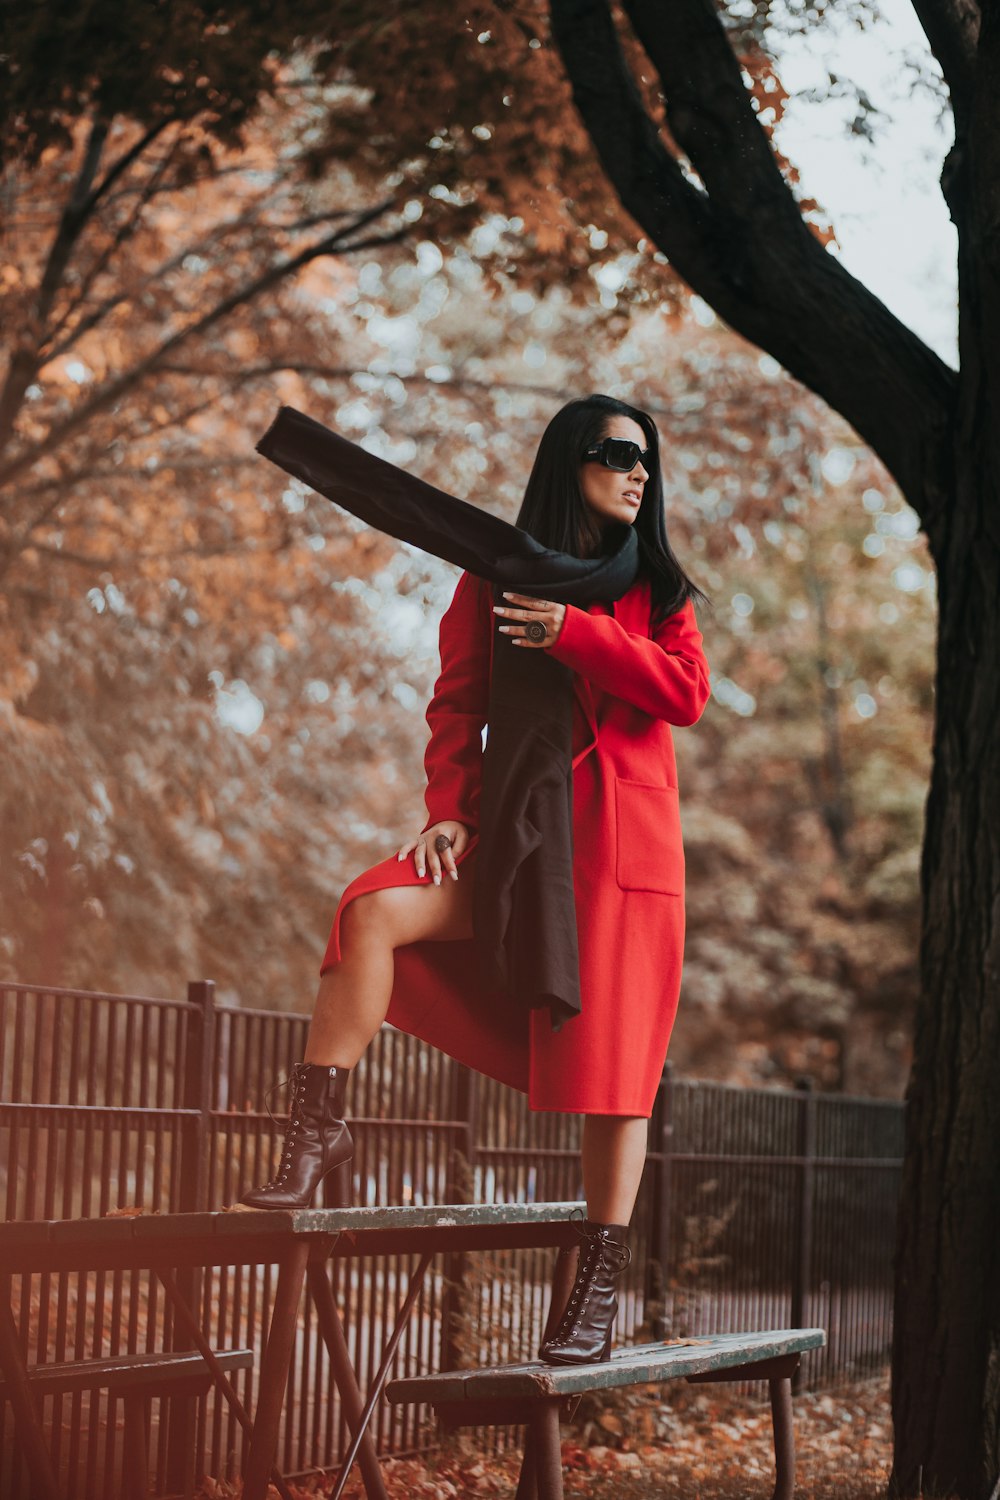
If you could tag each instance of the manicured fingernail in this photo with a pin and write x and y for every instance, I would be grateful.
(437, 879)
(454, 874)
(508, 596)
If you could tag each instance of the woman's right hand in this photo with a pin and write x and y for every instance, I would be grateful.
(427, 857)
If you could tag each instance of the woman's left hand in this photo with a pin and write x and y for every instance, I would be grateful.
(522, 609)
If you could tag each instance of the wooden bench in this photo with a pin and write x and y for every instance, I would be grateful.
(301, 1243)
(136, 1378)
(537, 1394)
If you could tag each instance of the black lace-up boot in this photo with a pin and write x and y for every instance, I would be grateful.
(317, 1139)
(583, 1333)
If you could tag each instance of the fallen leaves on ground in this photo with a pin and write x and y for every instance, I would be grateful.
(715, 1445)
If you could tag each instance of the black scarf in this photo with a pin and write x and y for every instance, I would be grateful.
(524, 915)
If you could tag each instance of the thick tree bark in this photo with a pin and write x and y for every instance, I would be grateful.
(734, 240)
(946, 1355)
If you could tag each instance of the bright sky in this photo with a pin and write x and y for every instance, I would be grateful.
(884, 200)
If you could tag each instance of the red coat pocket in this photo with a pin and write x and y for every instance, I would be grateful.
(650, 846)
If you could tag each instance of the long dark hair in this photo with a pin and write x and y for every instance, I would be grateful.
(555, 513)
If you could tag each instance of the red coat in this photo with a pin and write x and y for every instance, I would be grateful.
(628, 867)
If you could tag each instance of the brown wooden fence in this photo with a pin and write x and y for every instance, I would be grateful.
(758, 1208)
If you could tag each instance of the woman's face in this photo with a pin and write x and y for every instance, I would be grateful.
(609, 494)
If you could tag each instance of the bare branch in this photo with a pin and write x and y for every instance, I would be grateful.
(22, 536)
(52, 350)
(80, 559)
(334, 244)
(215, 237)
(117, 168)
(114, 563)
(121, 472)
(26, 357)
(312, 221)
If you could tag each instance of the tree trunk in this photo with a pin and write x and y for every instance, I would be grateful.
(946, 1352)
(740, 243)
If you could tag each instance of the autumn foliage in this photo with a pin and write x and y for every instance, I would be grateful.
(213, 683)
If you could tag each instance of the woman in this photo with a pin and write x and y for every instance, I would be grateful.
(402, 947)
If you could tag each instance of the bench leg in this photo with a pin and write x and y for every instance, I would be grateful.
(274, 1371)
(547, 1451)
(527, 1484)
(135, 1457)
(563, 1278)
(784, 1438)
(346, 1381)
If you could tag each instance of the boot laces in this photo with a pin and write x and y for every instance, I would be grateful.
(297, 1079)
(596, 1242)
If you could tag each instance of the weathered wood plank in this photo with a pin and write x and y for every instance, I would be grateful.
(146, 1372)
(252, 1222)
(225, 1237)
(638, 1365)
(442, 1216)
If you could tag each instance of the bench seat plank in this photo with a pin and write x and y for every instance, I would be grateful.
(132, 1372)
(639, 1364)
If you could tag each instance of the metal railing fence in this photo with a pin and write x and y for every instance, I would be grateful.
(758, 1208)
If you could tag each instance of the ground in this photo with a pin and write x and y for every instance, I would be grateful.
(713, 1445)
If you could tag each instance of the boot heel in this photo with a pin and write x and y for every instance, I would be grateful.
(338, 1185)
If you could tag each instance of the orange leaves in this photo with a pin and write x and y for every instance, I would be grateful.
(719, 1448)
(765, 86)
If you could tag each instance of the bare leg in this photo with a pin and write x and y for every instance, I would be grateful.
(350, 1007)
(353, 996)
(614, 1154)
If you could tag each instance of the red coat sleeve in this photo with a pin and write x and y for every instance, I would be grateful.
(459, 707)
(665, 675)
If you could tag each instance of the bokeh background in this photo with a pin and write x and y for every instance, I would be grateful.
(212, 681)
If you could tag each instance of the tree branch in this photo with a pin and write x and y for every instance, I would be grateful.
(124, 472)
(334, 244)
(122, 164)
(26, 357)
(156, 277)
(708, 108)
(149, 554)
(21, 537)
(51, 350)
(743, 244)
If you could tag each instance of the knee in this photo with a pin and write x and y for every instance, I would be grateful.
(366, 918)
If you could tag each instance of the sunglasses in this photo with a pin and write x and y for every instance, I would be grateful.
(618, 453)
